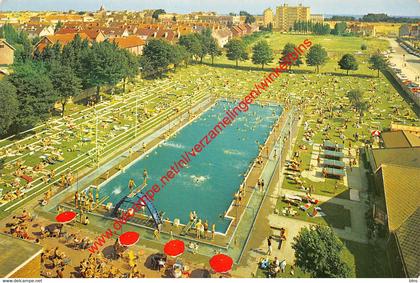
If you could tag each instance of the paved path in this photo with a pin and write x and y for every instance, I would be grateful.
(412, 68)
(358, 230)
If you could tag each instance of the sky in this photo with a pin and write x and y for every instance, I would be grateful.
(337, 7)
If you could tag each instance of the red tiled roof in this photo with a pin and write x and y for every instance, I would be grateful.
(67, 30)
(63, 39)
(129, 41)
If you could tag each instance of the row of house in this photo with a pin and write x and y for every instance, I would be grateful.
(135, 37)
(130, 31)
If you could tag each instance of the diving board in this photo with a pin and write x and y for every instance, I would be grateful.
(188, 227)
(129, 200)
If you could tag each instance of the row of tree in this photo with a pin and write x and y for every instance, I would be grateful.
(372, 17)
(311, 27)
(57, 73)
(158, 55)
(381, 17)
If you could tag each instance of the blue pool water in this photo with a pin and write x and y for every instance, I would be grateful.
(213, 176)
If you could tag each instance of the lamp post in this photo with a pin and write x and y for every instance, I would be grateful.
(96, 138)
(136, 120)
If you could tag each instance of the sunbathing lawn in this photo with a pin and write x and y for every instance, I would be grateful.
(367, 261)
(224, 79)
(298, 273)
(336, 215)
(326, 188)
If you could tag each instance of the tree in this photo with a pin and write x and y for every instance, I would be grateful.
(9, 105)
(72, 55)
(58, 26)
(363, 46)
(174, 19)
(339, 28)
(318, 251)
(65, 82)
(157, 56)
(317, 56)
(50, 54)
(288, 49)
(355, 96)
(378, 62)
(236, 50)
(262, 53)
(131, 66)
(192, 43)
(214, 50)
(179, 55)
(158, 12)
(356, 99)
(348, 62)
(103, 64)
(35, 94)
(249, 19)
(205, 40)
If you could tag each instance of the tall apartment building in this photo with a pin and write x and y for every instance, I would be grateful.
(286, 16)
(268, 17)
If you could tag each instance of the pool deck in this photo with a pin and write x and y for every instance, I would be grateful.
(231, 242)
(151, 141)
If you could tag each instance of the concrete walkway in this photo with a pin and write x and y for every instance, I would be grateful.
(412, 68)
(358, 230)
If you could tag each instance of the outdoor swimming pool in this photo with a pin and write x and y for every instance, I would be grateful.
(209, 183)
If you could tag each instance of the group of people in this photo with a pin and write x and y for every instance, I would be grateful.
(66, 180)
(273, 267)
(53, 259)
(85, 201)
(97, 266)
(19, 225)
(132, 183)
(239, 196)
(260, 184)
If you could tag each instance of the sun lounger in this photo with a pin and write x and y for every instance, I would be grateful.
(334, 163)
(27, 178)
(292, 197)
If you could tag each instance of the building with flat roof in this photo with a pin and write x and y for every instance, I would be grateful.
(268, 17)
(317, 18)
(286, 16)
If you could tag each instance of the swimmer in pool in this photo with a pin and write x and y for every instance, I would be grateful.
(145, 175)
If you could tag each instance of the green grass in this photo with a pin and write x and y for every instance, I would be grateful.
(336, 215)
(365, 260)
(298, 273)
